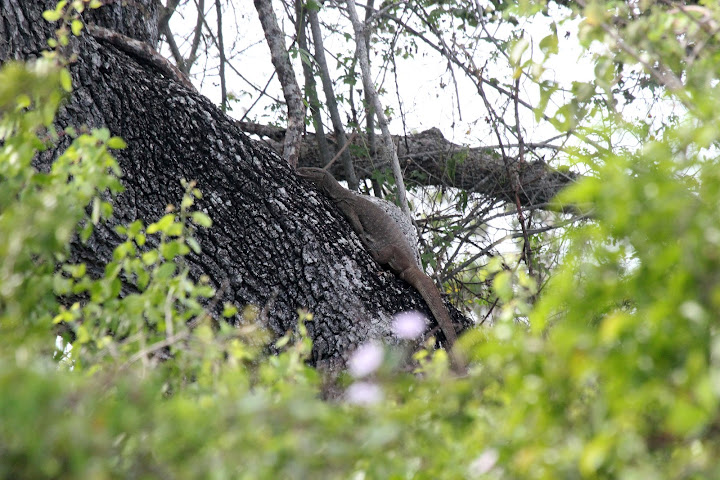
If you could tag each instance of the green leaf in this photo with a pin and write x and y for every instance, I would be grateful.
(229, 310)
(106, 207)
(143, 279)
(52, 15)
(116, 143)
(170, 250)
(549, 44)
(193, 244)
(95, 215)
(134, 229)
(687, 418)
(83, 335)
(102, 134)
(174, 230)
(187, 202)
(150, 258)
(61, 285)
(76, 27)
(64, 316)
(518, 49)
(86, 231)
(165, 271)
(201, 219)
(162, 225)
(594, 455)
(502, 285)
(79, 270)
(23, 101)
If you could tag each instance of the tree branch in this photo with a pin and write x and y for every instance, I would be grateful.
(427, 158)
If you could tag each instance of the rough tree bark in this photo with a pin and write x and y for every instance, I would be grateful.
(276, 243)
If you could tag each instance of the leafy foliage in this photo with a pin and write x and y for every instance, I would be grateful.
(615, 377)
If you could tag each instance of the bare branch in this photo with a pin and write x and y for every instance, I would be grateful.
(331, 102)
(310, 85)
(221, 51)
(286, 75)
(374, 99)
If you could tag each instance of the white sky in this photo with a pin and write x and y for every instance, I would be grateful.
(426, 88)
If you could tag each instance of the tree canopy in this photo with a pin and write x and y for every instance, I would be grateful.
(599, 357)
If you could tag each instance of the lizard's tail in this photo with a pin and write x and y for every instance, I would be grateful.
(431, 295)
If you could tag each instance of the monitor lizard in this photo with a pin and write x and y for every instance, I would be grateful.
(386, 243)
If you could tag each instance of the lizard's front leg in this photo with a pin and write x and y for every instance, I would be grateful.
(352, 217)
(383, 256)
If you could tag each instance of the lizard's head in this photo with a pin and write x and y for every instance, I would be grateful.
(316, 175)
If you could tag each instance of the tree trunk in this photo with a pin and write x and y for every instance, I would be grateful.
(276, 243)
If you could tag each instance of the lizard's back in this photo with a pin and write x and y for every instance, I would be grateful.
(383, 235)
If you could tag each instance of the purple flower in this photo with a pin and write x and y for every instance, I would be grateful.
(409, 325)
(484, 462)
(365, 360)
(363, 393)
